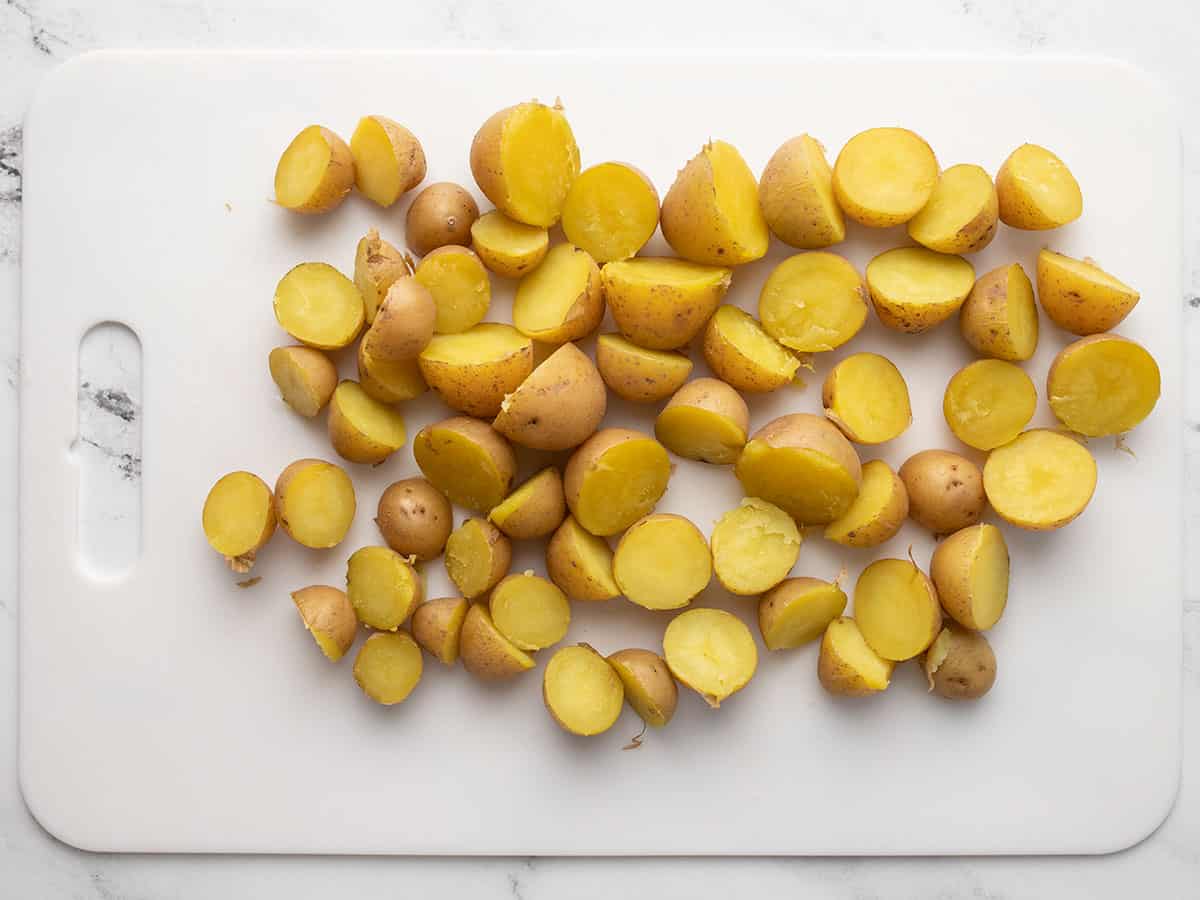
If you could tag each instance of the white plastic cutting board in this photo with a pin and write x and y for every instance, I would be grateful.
(167, 710)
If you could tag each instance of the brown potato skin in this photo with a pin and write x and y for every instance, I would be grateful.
(542, 513)
(415, 518)
(835, 675)
(403, 323)
(1060, 298)
(968, 670)
(661, 316)
(983, 317)
(950, 570)
(441, 214)
(886, 525)
(735, 368)
(649, 672)
(633, 380)
(563, 570)
(337, 180)
(431, 628)
(328, 610)
(484, 651)
(945, 490)
(787, 197)
(559, 406)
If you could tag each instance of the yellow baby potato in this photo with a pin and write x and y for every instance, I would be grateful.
(802, 464)
(437, 627)
(442, 214)
(615, 478)
(661, 303)
(960, 665)
(743, 355)
(388, 381)
(533, 510)
(706, 420)
(797, 611)
(315, 172)
(914, 289)
(388, 667)
(754, 547)
(1036, 190)
(377, 266)
(866, 397)
(962, 213)
(884, 176)
(711, 213)
(383, 587)
(314, 502)
(945, 490)
(582, 692)
(988, 403)
(467, 461)
(796, 196)
(414, 518)
(561, 299)
(712, 652)
(485, 652)
(362, 429)
(306, 378)
(639, 375)
(1104, 384)
(813, 302)
(474, 371)
(558, 406)
(649, 688)
(329, 618)
(530, 611)
(459, 284)
(1080, 296)
(388, 159)
(877, 513)
(970, 571)
(524, 159)
(662, 562)
(403, 323)
(1040, 481)
(507, 247)
(999, 318)
(847, 666)
(477, 557)
(896, 607)
(319, 306)
(580, 563)
(610, 211)
(239, 518)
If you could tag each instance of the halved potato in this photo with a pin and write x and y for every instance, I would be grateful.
(813, 302)
(754, 546)
(1036, 190)
(459, 284)
(403, 323)
(558, 406)
(988, 402)
(945, 490)
(306, 378)
(662, 303)
(960, 665)
(561, 299)
(467, 461)
(615, 478)
(239, 518)
(1080, 296)
(530, 611)
(388, 667)
(582, 692)
(1103, 384)
(390, 382)
(884, 176)
(477, 557)
(877, 513)
(847, 666)
(1040, 481)
(649, 688)
(377, 266)
(706, 420)
(388, 159)
(507, 247)
(638, 563)
(437, 626)
(441, 215)
(327, 614)
(414, 518)
(743, 355)
(485, 652)
(914, 289)
(533, 510)
(962, 213)
(580, 563)
(474, 370)
(999, 318)
(383, 587)
(315, 172)
(896, 607)
(362, 429)
(866, 397)
(970, 571)
(711, 651)
(610, 211)
(637, 374)
(796, 195)
(319, 306)
(798, 610)
(314, 502)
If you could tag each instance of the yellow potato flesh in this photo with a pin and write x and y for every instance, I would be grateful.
(988, 403)
(862, 524)
(485, 343)
(390, 381)
(507, 247)
(1080, 296)
(810, 486)
(461, 469)
(1044, 192)
(382, 587)
(711, 651)
(754, 547)
(1022, 313)
(582, 691)
(437, 625)
(376, 170)
(800, 615)
(757, 348)
(546, 296)
(377, 429)
(610, 211)
(662, 562)
(702, 434)
(530, 611)
(545, 486)
(318, 506)
(470, 559)
(896, 608)
(918, 287)
(813, 302)
(460, 288)
(737, 199)
(987, 577)
(1104, 386)
(1041, 480)
(539, 159)
(868, 399)
(961, 214)
(485, 651)
(238, 512)
(846, 655)
(884, 176)
(305, 378)
(388, 667)
(622, 486)
(319, 306)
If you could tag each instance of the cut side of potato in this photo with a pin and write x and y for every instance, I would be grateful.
(239, 518)
(314, 502)
(388, 381)
(945, 490)
(1080, 296)
(414, 518)
(960, 665)
(610, 211)
(847, 666)
(970, 571)
(388, 159)
(315, 172)
(1036, 190)
(662, 303)
(743, 355)
(582, 692)
(877, 513)
(558, 406)
(1104, 384)
(711, 651)
(459, 284)
(306, 378)
(754, 547)
(383, 587)
(362, 429)
(561, 299)
(580, 563)
(388, 667)
(961, 215)
(329, 618)
(530, 611)
(896, 607)
(798, 611)
(319, 306)
(914, 289)
(884, 176)
(508, 247)
(988, 403)
(999, 318)
(485, 652)
(639, 375)
(437, 627)
(614, 479)
(638, 563)
(477, 557)
(377, 266)
(649, 688)
(533, 510)
(467, 461)
(706, 420)
(403, 323)
(441, 215)
(866, 397)
(474, 371)
(796, 195)
(812, 302)
(1040, 481)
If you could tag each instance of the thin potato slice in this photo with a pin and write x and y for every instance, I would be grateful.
(662, 562)
(389, 382)
(1080, 296)
(662, 303)
(1040, 481)
(796, 195)
(441, 215)
(437, 627)
(1104, 384)
(610, 211)
(1036, 190)
(414, 518)
(754, 546)
(239, 518)
(649, 688)
(530, 611)
(362, 429)
(884, 176)
(580, 563)
(743, 355)
(798, 611)
(812, 302)
(639, 375)
(988, 403)
(459, 284)
(383, 587)
(377, 266)
(706, 420)
(467, 461)
(970, 571)
(914, 289)
(558, 406)
(306, 378)
(388, 159)
(945, 490)
(327, 614)
(582, 692)
(999, 318)
(614, 479)
(315, 172)
(561, 299)
(896, 607)
(533, 510)
(867, 398)
(960, 665)
(388, 667)
(314, 501)
(477, 557)
(712, 652)
(403, 324)
(507, 247)
(877, 513)
(474, 371)
(962, 213)
(847, 666)
(485, 652)
(319, 306)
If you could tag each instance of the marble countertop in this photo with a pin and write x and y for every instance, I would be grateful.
(35, 35)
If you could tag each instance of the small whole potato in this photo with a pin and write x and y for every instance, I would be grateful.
(960, 664)
(414, 518)
(441, 214)
(945, 490)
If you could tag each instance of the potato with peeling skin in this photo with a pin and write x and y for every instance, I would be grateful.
(896, 607)
(945, 490)
(319, 306)
(314, 502)
(507, 247)
(988, 403)
(388, 159)
(383, 587)
(1036, 190)
(914, 289)
(970, 570)
(477, 557)
(474, 371)
(485, 652)
(706, 420)
(1104, 384)
(437, 625)
(847, 666)
(561, 299)
(377, 266)
(867, 398)
(1040, 481)
(1080, 296)
(467, 461)
(613, 479)
(533, 510)
(813, 302)
(460, 287)
(328, 617)
(441, 215)
(796, 195)
(580, 563)
(315, 172)
(962, 213)
(999, 318)
(239, 518)
(530, 611)
(639, 375)
(798, 610)
(638, 562)
(884, 176)
(414, 518)
(743, 355)
(877, 513)
(610, 211)
(362, 429)
(754, 546)
(650, 690)
(305, 377)
(389, 382)
(712, 652)
(403, 324)
(661, 303)
(558, 406)
(960, 665)
(388, 667)
(582, 692)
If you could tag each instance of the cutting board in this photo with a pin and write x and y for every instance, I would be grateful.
(165, 709)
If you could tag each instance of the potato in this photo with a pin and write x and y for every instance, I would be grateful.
(999, 318)
(388, 159)
(866, 397)
(477, 557)
(610, 211)
(441, 214)
(377, 266)
(639, 375)
(485, 652)
(754, 546)
(414, 518)
(962, 213)
(383, 587)
(960, 665)
(1080, 296)
(329, 618)
(319, 306)
(530, 611)
(1040, 481)
(798, 610)
(914, 289)
(507, 247)
(945, 490)
(812, 302)
(711, 651)
(533, 510)
(582, 692)
(796, 196)
(706, 420)
(315, 172)
(305, 378)
(314, 502)
(558, 406)
(239, 518)
(437, 625)
(661, 303)
(988, 402)
(1036, 190)
(884, 176)
(561, 299)
(970, 571)
(580, 563)
(640, 562)
(711, 213)
(803, 464)
(403, 324)
(524, 159)
(1103, 384)
(743, 355)
(389, 382)
(614, 479)
(467, 461)
(649, 688)
(847, 666)
(460, 287)
(388, 667)
(876, 514)
(896, 607)
(362, 429)
(474, 370)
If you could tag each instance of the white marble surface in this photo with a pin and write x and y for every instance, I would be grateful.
(35, 35)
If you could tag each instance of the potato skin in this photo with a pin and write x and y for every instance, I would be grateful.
(503, 260)
(436, 626)
(1017, 206)
(836, 675)
(950, 569)
(478, 388)
(945, 490)
(738, 370)
(335, 184)
(565, 571)
(541, 513)
(441, 214)
(351, 443)
(558, 406)
(886, 524)
(327, 610)
(636, 377)
(1076, 304)
(649, 688)
(805, 431)
(790, 200)
(484, 651)
(983, 318)
(661, 316)
(967, 668)
(414, 518)
(713, 396)
(403, 324)
(320, 377)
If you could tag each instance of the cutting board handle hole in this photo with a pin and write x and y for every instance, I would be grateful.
(107, 449)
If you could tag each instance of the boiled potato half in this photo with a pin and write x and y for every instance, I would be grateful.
(319, 306)
(327, 614)
(558, 406)
(1040, 481)
(467, 461)
(474, 370)
(754, 547)
(306, 378)
(962, 213)
(362, 429)
(877, 513)
(988, 403)
(743, 355)
(884, 176)
(315, 172)
(580, 563)
(867, 398)
(662, 562)
(945, 490)
(388, 667)
(377, 266)
(485, 652)
(615, 478)
(390, 382)
(441, 215)
(661, 303)
(314, 502)
(414, 518)
(403, 323)
(1036, 190)
(970, 571)
(478, 555)
(533, 510)
(437, 627)
(999, 318)
(610, 211)
(798, 610)
(914, 289)
(960, 664)
(639, 375)
(896, 607)
(812, 302)
(239, 518)
(383, 587)
(706, 420)
(388, 159)
(459, 285)
(561, 299)
(508, 247)
(847, 666)
(712, 652)
(530, 611)
(649, 688)
(1080, 296)
(1103, 384)
(582, 692)
(796, 195)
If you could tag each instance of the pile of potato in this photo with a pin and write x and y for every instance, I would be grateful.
(422, 325)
